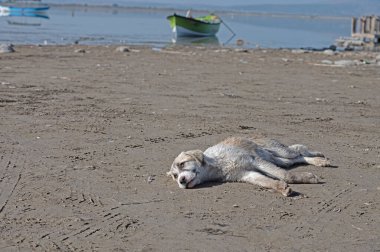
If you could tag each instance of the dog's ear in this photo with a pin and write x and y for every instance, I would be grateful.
(196, 154)
(170, 174)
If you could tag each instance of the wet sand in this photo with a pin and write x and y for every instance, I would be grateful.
(87, 136)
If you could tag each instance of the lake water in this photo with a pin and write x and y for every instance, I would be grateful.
(291, 25)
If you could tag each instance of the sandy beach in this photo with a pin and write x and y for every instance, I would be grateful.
(87, 134)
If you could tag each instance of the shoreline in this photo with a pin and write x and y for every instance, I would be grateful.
(371, 53)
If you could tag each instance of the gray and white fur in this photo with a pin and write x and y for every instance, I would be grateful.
(255, 161)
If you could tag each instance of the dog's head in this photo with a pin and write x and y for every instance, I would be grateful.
(186, 168)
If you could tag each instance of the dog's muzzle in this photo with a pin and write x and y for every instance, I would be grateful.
(183, 181)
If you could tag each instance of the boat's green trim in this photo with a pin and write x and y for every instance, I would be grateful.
(207, 25)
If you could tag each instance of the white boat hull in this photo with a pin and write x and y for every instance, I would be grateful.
(183, 32)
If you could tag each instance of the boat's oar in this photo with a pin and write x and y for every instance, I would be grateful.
(228, 27)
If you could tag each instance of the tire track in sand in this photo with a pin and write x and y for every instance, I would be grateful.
(10, 176)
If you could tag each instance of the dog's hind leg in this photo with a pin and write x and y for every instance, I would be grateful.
(281, 150)
(278, 149)
(291, 177)
(304, 151)
(257, 178)
(286, 163)
(317, 161)
(286, 156)
(310, 157)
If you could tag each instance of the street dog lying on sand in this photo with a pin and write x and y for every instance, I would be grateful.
(255, 161)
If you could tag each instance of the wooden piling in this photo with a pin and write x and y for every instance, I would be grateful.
(353, 25)
(373, 25)
(367, 28)
(362, 25)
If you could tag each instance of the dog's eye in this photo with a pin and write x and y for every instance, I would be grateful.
(181, 165)
(175, 175)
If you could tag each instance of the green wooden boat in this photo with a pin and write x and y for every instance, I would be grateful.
(188, 26)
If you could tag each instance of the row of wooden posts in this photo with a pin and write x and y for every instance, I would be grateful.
(366, 27)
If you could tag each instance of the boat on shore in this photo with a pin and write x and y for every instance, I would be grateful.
(188, 26)
(23, 6)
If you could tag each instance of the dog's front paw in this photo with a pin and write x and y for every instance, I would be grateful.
(301, 178)
(310, 178)
(284, 188)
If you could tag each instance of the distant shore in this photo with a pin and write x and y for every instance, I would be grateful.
(123, 8)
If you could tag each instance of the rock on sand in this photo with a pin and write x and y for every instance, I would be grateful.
(6, 48)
